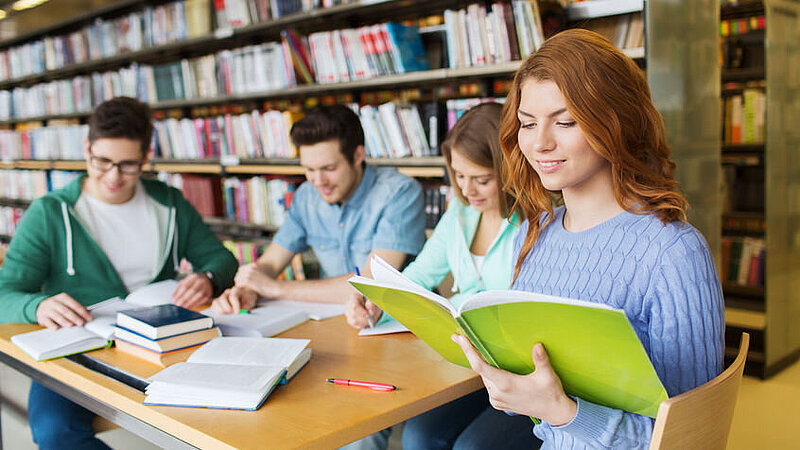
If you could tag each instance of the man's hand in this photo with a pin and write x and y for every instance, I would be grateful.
(194, 290)
(359, 311)
(538, 394)
(61, 311)
(250, 276)
(233, 300)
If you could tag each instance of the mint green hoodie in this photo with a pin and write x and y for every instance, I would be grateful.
(51, 252)
(447, 251)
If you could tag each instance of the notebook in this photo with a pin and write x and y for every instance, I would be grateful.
(229, 373)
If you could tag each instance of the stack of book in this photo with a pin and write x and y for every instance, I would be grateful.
(162, 334)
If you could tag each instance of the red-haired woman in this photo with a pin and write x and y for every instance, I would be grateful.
(579, 122)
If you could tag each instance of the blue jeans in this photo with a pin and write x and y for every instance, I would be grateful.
(58, 423)
(469, 423)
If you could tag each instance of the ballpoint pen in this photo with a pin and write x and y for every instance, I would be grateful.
(369, 318)
(366, 384)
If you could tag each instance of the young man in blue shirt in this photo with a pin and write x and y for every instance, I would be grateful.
(346, 212)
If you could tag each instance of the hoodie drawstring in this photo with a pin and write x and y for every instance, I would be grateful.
(68, 229)
(174, 229)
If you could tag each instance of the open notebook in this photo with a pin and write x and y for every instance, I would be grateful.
(229, 373)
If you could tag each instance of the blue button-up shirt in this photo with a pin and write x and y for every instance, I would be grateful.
(384, 213)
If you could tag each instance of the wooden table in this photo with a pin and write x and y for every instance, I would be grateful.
(308, 412)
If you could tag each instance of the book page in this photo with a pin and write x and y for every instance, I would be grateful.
(314, 310)
(46, 344)
(386, 328)
(280, 352)
(499, 297)
(159, 293)
(216, 376)
(384, 275)
(104, 316)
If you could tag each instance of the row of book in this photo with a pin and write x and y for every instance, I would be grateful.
(254, 68)
(39, 142)
(248, 135)
(152, 26)
(744, 117)
(9, 219)
(257, 200)
(479, 35)
(741, 25)
(32, 184)
(436, 197)
(456, 107)
(240, 13)
(743, 260)
(358, 54)
(247, 252)
(391, 130)
(626, 31)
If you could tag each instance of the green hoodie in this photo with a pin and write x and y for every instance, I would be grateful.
(51, 253)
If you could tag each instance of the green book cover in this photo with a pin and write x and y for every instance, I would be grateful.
(592, 347)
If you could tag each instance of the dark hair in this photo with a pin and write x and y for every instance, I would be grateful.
(122, 117)
(476, 137)
(608, 96)
(324, 123)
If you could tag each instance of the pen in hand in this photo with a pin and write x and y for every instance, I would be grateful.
(369, 318)
(366, 384)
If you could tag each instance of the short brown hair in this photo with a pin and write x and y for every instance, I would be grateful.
(475, 137)
(122, 117)
(325, 123)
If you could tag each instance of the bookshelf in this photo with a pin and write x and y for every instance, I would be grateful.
(760, 95)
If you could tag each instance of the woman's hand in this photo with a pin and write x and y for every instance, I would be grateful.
(538, 394)
(360, 311)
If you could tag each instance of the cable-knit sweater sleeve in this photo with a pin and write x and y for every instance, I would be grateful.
(674, 302)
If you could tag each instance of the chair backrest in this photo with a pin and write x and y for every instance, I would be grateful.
(701, 418)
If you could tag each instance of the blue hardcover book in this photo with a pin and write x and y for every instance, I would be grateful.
(406, 47)
(161, 321)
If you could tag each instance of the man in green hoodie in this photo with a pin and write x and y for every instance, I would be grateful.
(104, 235)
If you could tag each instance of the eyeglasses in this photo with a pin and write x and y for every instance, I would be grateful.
(125, 167)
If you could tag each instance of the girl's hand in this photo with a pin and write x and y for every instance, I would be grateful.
(538, 394)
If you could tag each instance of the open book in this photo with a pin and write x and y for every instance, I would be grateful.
(592, 347)
(263, 321)
(229, 373)
(49, 344)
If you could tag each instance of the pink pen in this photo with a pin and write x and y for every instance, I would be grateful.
(366, 384)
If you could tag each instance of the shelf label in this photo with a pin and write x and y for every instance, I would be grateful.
(229, 160)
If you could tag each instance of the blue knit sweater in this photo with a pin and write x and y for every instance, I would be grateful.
(665, 280)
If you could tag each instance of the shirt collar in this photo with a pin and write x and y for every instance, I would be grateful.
(367, 180)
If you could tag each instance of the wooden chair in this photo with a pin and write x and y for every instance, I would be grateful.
(701, 418)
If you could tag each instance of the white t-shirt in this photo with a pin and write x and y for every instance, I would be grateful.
(478, 261)
(127, 233)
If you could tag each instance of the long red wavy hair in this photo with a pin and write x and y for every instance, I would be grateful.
(608, 96)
